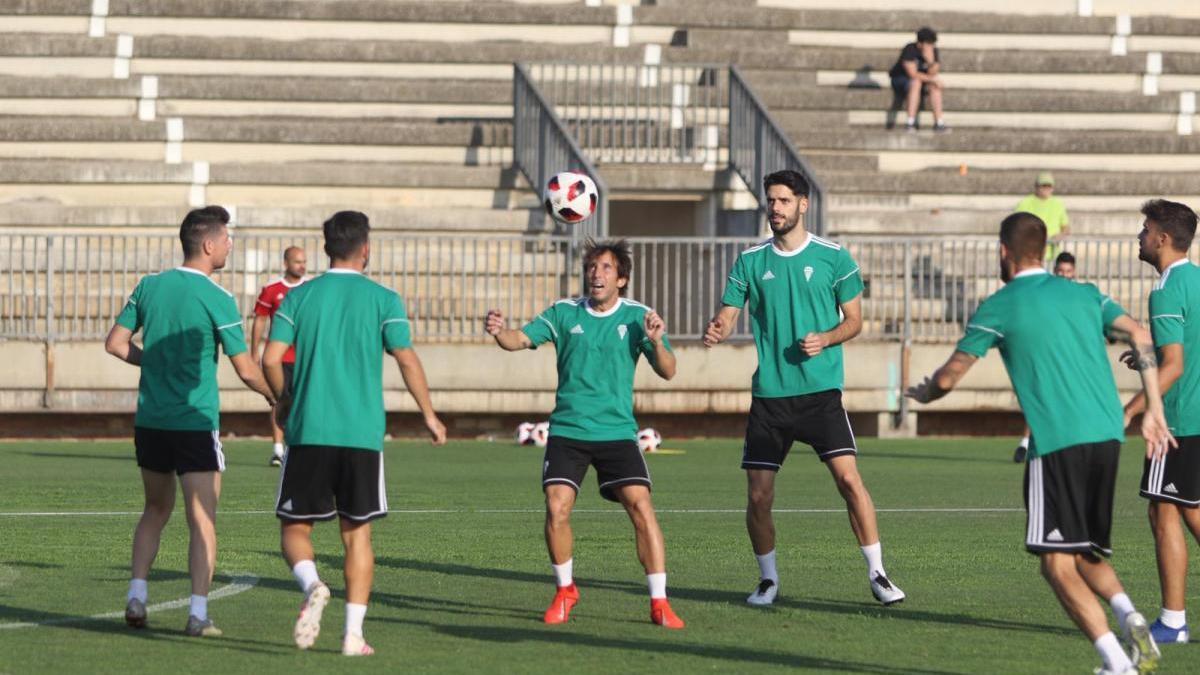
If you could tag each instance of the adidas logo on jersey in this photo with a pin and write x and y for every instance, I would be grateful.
(577, 330)
(768, 276)
(1170, 488)
(286, 506)
(1054, 535)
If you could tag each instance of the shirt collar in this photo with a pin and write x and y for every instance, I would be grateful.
(342, 270)
(1177, 263)
(191, 270)
(587, 304)
(1031, 272)
(796, 251)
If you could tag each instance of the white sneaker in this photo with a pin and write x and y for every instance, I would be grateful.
(765, 593)
(308, 624)
(885, 591)
(1106, 671)
(1142, 650)
(355, 645)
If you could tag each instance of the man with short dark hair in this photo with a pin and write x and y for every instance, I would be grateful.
(916, 74)
(1050, 333)
(598, 339)
(295, 264)
(185, 317)
(1172, 482)
(805, 297)
(340, 325)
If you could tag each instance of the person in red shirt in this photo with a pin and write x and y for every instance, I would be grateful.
(295, 264)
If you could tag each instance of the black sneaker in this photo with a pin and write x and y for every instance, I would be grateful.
(940, 128)
(1019, 454)
(275, 460)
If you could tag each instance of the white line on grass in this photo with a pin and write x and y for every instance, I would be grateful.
(71, 514)
(240, 584)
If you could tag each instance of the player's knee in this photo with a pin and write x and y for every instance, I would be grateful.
(558, 509)
(1056, 565)
(850, 483)
(761, 499)
(158, 512)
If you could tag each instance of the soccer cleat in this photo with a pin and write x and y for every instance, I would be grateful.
(1105, 671)
(885, 592)
(275, 460)
(355, 645)
(764, 594)
(135, 613)
(661, 614)
(1142, 650)
(1019, 454)
(560, 608)
(308, 624)
(197, 628)
(1165, 635)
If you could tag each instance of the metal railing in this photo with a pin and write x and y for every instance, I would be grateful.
(758, 146)
(636, 114)
(542, 147)
(71, 287)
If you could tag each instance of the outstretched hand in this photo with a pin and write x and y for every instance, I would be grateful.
(715, 333)
(921, 393)
(654, 326)
(494, 322)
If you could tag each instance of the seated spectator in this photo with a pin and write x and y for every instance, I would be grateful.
(915, 75)
(1043, 204)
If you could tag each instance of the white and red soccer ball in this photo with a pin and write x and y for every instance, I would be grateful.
(541, 434)
(649, 440)
(571, 197)
(525, 433)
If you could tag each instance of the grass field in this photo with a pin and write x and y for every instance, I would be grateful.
(462, 576)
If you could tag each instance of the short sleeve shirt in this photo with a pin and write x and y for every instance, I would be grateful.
(1172, 321)
(340, 324)
(184, 316)
(269, 300)
(1050, 333)
(597, 354)
(912, 52)
(791, 295)
(1052, 211)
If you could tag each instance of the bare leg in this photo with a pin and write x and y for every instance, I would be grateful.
(560, 541)
(160, 501)
(650, 548)
(201, 492)
(1171, 550)
(276, 430)
(360, 560)
(1100, 577)
(858, 501)
(295, 540)
(935, 100)
(914, 98)
(1074, 595)
(760, 525)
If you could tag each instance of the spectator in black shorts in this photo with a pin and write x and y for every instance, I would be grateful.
(916, 74)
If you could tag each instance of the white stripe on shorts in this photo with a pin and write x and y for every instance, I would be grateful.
(1033, 502)
(217, 449)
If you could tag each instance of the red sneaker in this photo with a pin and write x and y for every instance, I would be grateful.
(661, 614)
(560, 609)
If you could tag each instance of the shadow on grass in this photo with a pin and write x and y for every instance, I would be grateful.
(81, 455)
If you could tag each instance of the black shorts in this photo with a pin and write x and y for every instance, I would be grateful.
(1176, 477)
(287, 378)
(318, 482)
(1069, 499)
(817, 420)
(167, 450)
(900, 86)
(617, 463)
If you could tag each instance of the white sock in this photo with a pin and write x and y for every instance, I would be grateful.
(354, 618)
(937, 120)
(873, 554)
(199, 607)
(658, 585)
(766, 566)
(137, 589)
(1122, 607)
(912, 121)
(277, 449)
(1173, 618)
(563, 573)
(1115, 658)
(1025, 442)
(305, 572)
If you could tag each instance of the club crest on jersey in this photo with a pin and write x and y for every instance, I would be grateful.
(808, 273)
(622, 330)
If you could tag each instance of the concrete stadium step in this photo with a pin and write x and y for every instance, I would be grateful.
(780, 101)
(1049, 9)
(973, 222)
(991, 182)
(994, 141)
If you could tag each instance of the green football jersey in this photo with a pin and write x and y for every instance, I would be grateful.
(792, 294)
(183, 315)
(597, 353)
(1172, 322)
(1050, 333)
(340, 324)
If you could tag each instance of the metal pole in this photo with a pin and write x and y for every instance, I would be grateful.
(48, 394)
(906, 342)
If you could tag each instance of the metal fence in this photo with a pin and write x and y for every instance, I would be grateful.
(758, 146)
(70, 287)
(636, 114)
(543, 147)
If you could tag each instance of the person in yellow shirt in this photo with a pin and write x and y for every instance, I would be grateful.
(1043, 204)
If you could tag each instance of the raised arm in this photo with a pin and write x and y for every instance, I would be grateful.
(944, 379)
(509, 339)
(1154, 425)
(120, 344)
(414, 378)
(721, 325)
(663, 359)
(848, 329)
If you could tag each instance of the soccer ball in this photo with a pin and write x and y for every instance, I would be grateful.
(525, 433)
(648, 440)
(571, 197)
(541, 434)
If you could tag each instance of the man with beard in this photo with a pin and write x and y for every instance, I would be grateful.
(1050, 332)
(1172, 482)
(796, 283)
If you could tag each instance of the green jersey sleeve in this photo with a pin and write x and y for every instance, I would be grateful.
(228, 323)
(847, 279)
(130, 317)
(736, 285)
(984, 331)
(397, 331)
(283, 323)
(1166, 317)
(542, 328)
